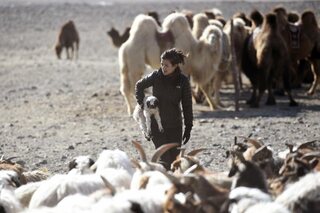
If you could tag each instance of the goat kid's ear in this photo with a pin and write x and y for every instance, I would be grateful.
(94, 167)
(148, 103)
(91, 162)
(156, 102)
(72, 164)
(234, 169)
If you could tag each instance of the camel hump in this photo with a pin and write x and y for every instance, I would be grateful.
(256, 17)
(308, 19)
(165, 40)
(271, 20)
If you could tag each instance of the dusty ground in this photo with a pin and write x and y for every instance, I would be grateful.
(54, 110)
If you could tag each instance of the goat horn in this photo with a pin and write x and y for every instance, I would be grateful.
(262, 153)
(171, 177)
(182, 151)
(108, 185)
(191, 169)
(305, 144)
(136, 163)
(141, 151)
(9, 159)
(311, 154)
(161, 150)
(196, 151)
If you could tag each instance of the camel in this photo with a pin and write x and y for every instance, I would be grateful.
(116, 38)
(266, 59)
(146, 43)
(68, 38)
(303, 40)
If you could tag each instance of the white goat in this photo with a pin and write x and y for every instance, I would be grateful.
(305, 190)
(116, 159)
(81, 165)
(53, 190)
(8, 201)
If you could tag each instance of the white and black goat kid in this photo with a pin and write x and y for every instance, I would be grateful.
(143, 116)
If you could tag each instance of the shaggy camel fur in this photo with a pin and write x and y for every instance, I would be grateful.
(68, 38)
(267, 59)
(307, 42)
(144, 47)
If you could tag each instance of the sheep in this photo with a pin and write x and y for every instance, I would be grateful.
(68, 38)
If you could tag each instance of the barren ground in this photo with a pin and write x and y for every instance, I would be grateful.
(52, 110)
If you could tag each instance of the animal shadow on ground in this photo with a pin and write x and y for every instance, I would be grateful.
(281, 109)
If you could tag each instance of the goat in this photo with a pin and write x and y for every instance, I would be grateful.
(68, 38)
(303, 195)
(81, 165)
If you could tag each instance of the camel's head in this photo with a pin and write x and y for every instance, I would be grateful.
(58, 49)
(112, 32)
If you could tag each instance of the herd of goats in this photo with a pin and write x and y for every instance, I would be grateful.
(258, 179)
(270, 49)
(278, 51)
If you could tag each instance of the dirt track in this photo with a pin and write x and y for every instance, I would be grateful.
(54, 110)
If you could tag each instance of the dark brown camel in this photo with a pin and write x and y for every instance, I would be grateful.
(118, 39)
(68, 38)
(266, 59)
(303, 43)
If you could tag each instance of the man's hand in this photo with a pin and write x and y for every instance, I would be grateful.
(186, 134)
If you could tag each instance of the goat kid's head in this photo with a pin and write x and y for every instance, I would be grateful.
(82, 163)
(152, 102)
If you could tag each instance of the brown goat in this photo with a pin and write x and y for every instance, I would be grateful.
(68, 38)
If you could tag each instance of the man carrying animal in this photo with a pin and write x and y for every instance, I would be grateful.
(171, 88)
